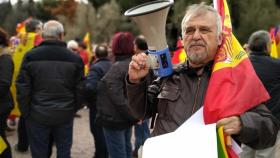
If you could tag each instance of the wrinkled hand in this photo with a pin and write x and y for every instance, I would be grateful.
(232, 125)
(138, 67)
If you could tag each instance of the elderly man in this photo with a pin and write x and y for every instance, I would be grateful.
(47, 90)
(176, 97)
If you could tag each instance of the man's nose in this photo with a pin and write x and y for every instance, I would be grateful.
(196, 35)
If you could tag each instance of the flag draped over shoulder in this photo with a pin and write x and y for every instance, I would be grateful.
(3, 145)
(234, 86)
(273, 51)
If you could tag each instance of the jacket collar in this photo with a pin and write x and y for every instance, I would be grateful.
(101, 59)
(186, 68)
(53, 42)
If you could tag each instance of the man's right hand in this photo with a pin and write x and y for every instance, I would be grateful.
(138, 67)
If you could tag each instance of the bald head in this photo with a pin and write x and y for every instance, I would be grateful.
(53, 30)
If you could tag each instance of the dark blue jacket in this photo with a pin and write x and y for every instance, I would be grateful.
(268, 70)
(96, 72)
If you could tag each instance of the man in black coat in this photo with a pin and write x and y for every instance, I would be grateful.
(47, 90)
(268, 70)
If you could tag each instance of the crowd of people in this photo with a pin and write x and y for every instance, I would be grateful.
(54, 79)
(51, 85)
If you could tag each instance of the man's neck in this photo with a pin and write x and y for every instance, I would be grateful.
(199, 68)
(192, 65)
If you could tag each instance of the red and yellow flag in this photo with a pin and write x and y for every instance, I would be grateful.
(86, 41)
(234, 86)
(21, 26)
(179, 55)
(273, 51)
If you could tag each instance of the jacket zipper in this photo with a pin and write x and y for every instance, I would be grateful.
(196, 94)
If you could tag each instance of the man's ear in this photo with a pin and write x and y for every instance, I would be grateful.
(61, 36)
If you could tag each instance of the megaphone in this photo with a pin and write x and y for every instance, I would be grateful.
(151, 19)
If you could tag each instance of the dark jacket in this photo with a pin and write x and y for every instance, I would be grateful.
(47, 83)
(268, 70)
(96, 72)
(182, 94)
(112, 105)
(6, 75)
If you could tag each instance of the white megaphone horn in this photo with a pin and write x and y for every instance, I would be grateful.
(151, 19)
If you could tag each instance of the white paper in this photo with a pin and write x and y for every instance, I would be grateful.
(193, 139)
(196, 118)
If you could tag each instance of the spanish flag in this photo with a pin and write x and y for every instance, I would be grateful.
(86, 41)
(234, 86)
(21, 26)
(273, 51)
(3, 145)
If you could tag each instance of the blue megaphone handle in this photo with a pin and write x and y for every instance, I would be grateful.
(161, 64)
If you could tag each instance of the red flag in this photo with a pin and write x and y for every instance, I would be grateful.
(234, 86)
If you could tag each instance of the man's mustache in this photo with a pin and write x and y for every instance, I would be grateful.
(192, 44)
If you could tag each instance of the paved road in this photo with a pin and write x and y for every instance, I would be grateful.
(83, 144)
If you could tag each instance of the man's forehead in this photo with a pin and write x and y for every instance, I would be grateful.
(207, 19)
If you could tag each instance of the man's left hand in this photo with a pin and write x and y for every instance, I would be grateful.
(232, 125)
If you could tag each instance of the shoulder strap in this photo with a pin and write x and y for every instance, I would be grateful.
(156, 87)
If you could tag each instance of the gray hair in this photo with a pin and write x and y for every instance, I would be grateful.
(259, 41)
(200, 9)
(52, 29)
